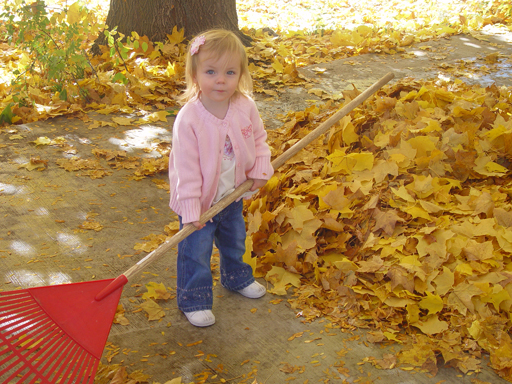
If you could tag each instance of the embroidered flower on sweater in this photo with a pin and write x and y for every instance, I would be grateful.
(247, 131)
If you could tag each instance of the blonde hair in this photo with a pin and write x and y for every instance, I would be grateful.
(217, 42)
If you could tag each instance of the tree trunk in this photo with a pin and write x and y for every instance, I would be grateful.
(156, 18)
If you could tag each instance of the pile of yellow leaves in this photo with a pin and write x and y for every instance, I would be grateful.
(399, 221)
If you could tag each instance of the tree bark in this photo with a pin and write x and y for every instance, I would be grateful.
(156, 18)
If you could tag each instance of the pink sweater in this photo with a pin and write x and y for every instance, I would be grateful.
(197, 146)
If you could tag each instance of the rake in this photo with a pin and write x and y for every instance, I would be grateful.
(56, 334)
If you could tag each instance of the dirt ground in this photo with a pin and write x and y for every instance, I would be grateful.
(43, 239)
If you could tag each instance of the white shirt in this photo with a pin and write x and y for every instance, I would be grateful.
(227, 174)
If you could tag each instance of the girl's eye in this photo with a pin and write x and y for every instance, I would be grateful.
(231, 72)
(210, 72)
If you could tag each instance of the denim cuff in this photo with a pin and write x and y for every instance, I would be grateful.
(195, 299)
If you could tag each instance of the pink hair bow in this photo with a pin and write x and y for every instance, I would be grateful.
(198, 41)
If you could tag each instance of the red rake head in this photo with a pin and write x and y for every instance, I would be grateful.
(54, 334)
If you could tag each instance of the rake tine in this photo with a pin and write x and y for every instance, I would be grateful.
(60, 348)
(5, 361)
(77, 363)
(19, 325)
(93, 367)
(23, 366)
(14, 293)
(15, 301)
(84, 367)
(17, 353)
(19, 314)
(73, 364)
(51, 339)
(29, 333)
(7, 305)
(14, 297)
(47, 337)
(64, 350)
(75, 350)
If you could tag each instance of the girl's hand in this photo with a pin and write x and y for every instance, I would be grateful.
(198, 225)
(258, 183)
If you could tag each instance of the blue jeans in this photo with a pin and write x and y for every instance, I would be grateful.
(195, 283)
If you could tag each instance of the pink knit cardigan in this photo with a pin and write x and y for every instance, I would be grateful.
(197, 148)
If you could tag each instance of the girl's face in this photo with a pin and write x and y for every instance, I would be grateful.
(217, 78)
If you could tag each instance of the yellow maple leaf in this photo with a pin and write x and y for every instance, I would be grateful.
(444, 281)
(417, 212)
(432, 303)
(91, 225)
(34, 163)
(122, 120)
(154, 241)
(419, 353)
(315, 91)
(247, 257)
(384, 168)
(282, 280)
(277, 66)
(176, 380)
(298, 215)
(372, 265)
(153, 310)
(119, 317)
(430, 207)
(43, 140)
(496, 296)
(177, 36)
(460, 298)
(304, 239)
(170, 71)
(156, 291)
(386, 221)
(485, 166)
(423, 145)
(74, 13)
(336, 199)
(402, 193)
(413, 313)
(431, 325)
(478, 251)
(154, 117)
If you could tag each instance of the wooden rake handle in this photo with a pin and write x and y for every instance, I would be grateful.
(242, 188)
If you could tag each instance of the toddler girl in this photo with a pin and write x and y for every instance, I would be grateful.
(218, 142)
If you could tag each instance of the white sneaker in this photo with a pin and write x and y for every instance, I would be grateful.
(253, 291)
(200, 318)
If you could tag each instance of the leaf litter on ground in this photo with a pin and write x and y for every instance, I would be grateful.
(286, 36)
